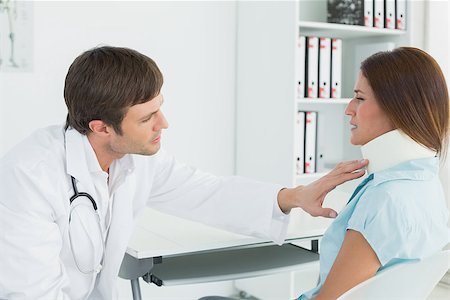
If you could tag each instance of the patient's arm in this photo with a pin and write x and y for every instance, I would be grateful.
(355, 263)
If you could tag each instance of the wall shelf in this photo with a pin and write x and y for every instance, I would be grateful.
(345, 31)
(323, 101)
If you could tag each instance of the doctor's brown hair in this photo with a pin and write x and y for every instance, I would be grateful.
(104, 82)
(410, 88)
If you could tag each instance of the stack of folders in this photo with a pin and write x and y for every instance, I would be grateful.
(319, 61)
(306, 142)
(389, 14)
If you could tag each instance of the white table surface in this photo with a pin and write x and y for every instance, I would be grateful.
(159, 234)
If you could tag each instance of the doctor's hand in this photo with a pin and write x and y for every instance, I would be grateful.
(310, 197)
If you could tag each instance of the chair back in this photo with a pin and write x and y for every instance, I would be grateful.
(412, 280)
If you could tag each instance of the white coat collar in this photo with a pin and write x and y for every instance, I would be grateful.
(91, 158)
(76, 159)
(392, 148)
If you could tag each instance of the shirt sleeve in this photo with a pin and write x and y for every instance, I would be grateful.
(233, 203)
(384, 224)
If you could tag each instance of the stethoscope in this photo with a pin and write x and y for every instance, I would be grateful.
(82, 194)
(96, 269)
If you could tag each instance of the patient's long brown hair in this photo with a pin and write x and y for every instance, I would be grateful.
(410, 88)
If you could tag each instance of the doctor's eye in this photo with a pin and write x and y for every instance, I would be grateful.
(148, 118)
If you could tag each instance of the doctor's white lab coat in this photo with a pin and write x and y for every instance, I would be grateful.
(35, 186)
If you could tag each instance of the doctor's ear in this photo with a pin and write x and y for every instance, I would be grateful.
(99, 127)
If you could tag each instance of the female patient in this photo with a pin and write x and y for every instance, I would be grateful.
(400, 117)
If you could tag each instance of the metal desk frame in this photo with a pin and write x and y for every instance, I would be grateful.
(133, 268)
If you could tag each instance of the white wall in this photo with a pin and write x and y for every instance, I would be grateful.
(437, 43)
(192, 42)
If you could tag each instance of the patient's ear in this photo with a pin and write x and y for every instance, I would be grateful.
(98, 127)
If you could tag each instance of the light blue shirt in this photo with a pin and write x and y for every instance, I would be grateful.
(400, 211)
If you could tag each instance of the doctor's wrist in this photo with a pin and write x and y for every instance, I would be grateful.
(286, 199)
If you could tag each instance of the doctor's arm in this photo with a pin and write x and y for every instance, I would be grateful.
(355, 263)
(310, 197)
(238, 204)
(233, 203)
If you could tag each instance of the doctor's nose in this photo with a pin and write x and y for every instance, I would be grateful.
(161, 122)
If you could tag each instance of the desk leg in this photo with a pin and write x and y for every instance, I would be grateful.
(132, 269)
(136, 289)
(315, 246)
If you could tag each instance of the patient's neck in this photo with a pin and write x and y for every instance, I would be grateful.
(392, 148)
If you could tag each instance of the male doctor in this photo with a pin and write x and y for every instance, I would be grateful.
(70, 194)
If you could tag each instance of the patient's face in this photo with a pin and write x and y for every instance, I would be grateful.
(368, 121)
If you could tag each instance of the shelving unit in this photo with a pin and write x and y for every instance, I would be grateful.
(266, 91)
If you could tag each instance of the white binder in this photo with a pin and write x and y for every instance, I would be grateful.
(324, 67)
(299, 143)
(400, 15)
(312, 66)
(368, 13)
(378, 13)
(301, 63)
(390, 14)
(336, 68)
(310, 141)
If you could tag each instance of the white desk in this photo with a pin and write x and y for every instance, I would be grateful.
(168, 250)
